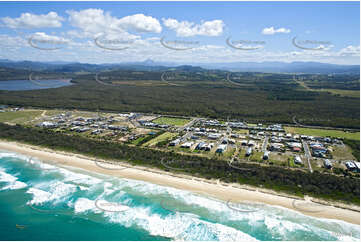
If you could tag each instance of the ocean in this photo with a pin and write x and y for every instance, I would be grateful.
(40, 201)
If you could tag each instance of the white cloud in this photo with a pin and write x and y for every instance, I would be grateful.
(41, 36)
(140, 23)
(350, 51)
(95, 21)
(272, 30)
(188, 29)
(29, 20)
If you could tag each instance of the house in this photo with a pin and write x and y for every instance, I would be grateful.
(208, 147)
(357, 165)
(244, 142)
(214, 136)
(174, 142)
(187, 145)
(249, 151)
(96, 131)
(200, 145)
(276, 147)
(231, 141)
(47, 124)
(350, 165)
(266, 155)
(225, 141)
(221, 148)
(327, 163)
(297, 160)
(251, 143)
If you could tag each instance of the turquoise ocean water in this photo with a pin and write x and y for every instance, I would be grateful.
(39, 201)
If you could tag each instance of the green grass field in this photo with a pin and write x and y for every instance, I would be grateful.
(137, 141)
(242, 131)
(19, 117)
(171, 121)
(256, 156)
(160, 138)
(343, 93)
(324, 133)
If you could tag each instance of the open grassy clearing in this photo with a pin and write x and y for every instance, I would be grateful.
(19, 117)
(242, 131)
(324, 133)
(342, 153)
(160, 138)
(343, 93)
(171, 121)
(256, 156)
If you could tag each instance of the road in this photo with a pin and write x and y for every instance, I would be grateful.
(265, 143)
(188, 124)
(307, 154)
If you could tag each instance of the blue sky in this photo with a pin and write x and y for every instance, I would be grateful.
(194, 31)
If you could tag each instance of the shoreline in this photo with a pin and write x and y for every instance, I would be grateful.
(213, 188)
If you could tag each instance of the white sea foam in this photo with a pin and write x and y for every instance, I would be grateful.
(56, 192)
(79, 178)
(5, 154)
(178, 226)
(282, 223)
(39, 196)
(12, 181)
(82, 205)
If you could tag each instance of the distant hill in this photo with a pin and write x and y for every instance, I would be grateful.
(150, 65)
(282, 67)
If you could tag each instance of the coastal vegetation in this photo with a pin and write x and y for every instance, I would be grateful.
(343, 187)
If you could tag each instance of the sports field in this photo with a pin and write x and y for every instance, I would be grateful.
(171, 121)
(324, 133)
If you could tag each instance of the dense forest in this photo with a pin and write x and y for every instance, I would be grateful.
(344, 188)
(252, 97)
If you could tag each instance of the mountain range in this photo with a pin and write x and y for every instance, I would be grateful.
(150, 65)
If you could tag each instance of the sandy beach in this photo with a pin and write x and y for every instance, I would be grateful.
(223, 191)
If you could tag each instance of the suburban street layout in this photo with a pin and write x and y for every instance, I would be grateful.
(282, 145)
(179, 121)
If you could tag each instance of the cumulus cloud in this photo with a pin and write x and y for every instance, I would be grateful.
(188, 29)
(95, 21)
(41, 36)
(29, 20)
(272, 30)
(350, 51)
